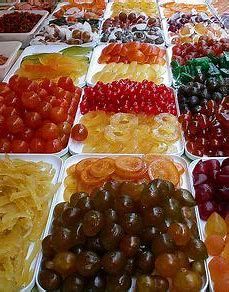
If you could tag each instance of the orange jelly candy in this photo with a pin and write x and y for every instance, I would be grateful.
(214, 244)
(225, 252)
(218, 266)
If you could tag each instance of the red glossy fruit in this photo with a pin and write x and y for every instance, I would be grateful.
(58, 114)
(37, 145)
(49, 131)
(4, 145)
(30, 100)
(53, 146)
(14, 124)
(79, 132)
(33, 119)
(19, 146)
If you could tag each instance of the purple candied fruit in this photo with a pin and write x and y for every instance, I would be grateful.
(203, 193)
(222, 194)
(199, 168)
(199, 178)
(225, 162)
(223, 209)
(225, 169)
(211, 166)
(206, 209)
(222, 179)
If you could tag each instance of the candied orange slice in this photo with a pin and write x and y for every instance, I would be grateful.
(165, 169)
(71, 170)
(88, 179)
(80, 166)
(179, 167)
(102, 167)
(108, 49)
(130, 167)
(148, 158)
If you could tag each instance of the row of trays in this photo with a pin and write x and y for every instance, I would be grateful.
(60, 168)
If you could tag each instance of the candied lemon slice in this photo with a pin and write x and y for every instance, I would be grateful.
(166, 133)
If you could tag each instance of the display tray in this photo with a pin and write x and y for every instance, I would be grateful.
(56, 163)
(202, 223)
(60, 198)
(95, 67)
(23, 37)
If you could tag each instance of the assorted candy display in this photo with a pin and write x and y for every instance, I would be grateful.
(37, 117)
(132, 27)
(134, 82)
(189, 27)
(26, 190)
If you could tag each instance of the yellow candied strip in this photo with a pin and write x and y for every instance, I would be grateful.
(26, 190)
(133, 71)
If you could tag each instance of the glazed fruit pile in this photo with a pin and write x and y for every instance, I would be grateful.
(70, 62)
(104, 239)
(129, 97)
(37, 117)
(18, 22)
(206, 132)
(94, 172)
(210, 179)
(132, 27)
(189, 27)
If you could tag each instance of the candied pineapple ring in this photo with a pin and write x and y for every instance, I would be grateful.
(130, 133)
(124, 120)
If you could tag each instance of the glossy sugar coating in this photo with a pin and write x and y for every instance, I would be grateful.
(172, 7)
(215, 244)
(216, 225)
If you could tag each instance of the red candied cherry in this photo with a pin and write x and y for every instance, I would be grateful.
(64, 140)
(27, 134)
(53, 146)
(33, 119)
(30, 100)
(65, 128)
(48, 85)
(49, 131)
(79, 132)
(15, 124)
(19, 146)
(45, 109)
(4, 145)
(66, 83)
(58, 114)
(207, 208)
(37, 145)
(54, 101)
(33, 86)
(222, 179)
(43, 94)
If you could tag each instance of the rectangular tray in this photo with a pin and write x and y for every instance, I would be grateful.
(59, 198)
(201, 222)
(23, 37)
(95, 67)
(56, 163)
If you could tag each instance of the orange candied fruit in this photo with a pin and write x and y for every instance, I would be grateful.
(215, 244)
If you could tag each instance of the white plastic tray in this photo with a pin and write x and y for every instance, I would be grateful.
(23, 37)
(202, 223)
(60, 198)
(56, 163)
(9, 50)
(95, 67)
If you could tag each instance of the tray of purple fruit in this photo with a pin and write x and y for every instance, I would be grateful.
(210, 185)
(132, 27)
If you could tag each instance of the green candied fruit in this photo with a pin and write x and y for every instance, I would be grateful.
(76, 51)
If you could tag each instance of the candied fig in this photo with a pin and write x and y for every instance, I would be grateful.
(93, 222)
(196, 250)
(145, 261)
(49, 280)
(64, 263)
(70, 216)
(186, 280)
(103, 200)
(88, 263)
(162, 243)
(153, 283)
(153, 216)
(111, 236)
(120, 283)
(167, 264)
(114, 262)
(129, 245)
(124, 204)
(97, 283)
(48, 247)
(110, 216)
(180, 233)
(184, 197)
(73, 283)
(132, 223)
(149, 233)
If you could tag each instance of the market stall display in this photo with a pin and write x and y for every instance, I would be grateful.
(126, 87)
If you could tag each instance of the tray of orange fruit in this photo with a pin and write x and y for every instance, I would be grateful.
(134, 60)
(84, 172)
